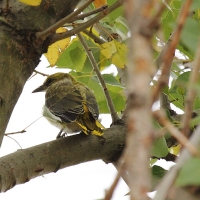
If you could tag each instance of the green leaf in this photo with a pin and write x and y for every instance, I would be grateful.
(159, 148)
(157, 173)
(190, 35)
(189, 173)
(73, 57)
(113, 15)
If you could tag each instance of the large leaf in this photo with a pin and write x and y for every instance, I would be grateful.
(73, 57)
(189, 173)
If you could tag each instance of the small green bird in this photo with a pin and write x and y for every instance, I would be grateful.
(70, 105)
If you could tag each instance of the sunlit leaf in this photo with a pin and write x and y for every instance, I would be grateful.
(99, 3)
(55, 50)
(31, 2)
(116, 52)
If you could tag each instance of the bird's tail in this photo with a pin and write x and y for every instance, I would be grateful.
(89, 124)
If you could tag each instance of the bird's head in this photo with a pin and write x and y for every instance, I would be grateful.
(53, 79)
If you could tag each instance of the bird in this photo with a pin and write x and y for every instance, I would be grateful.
(70, 105)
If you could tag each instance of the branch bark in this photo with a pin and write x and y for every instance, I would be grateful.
(26, 164)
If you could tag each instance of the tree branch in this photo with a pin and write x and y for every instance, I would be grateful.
(139, 121)
(44, 34)
(191, 93)
(92, 12)
(78, 29)
(26, 164)
(111, 107)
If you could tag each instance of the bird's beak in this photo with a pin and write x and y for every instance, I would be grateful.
(39, 89)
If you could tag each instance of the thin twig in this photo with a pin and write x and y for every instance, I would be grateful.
(44, 34)
(82, 16)
(14, 140)
(168, 180)
(169, 50)
(24, 130)
(43, 74)
(109, 193)
(78, 29)
(94, 37)
(111, 107)
(191, 93)
(162, 119)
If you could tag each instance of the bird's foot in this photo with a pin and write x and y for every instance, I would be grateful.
(61, 134)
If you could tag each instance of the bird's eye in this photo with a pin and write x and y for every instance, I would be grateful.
(49, 81)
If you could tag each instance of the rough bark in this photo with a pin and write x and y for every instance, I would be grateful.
(20, 51)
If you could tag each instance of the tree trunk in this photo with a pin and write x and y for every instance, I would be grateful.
(20, 51)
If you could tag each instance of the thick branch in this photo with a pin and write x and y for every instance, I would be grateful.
(27, 164)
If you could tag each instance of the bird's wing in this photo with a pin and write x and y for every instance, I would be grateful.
(91, 103)
(65, 101)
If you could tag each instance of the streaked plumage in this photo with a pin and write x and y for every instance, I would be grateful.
(72, 105)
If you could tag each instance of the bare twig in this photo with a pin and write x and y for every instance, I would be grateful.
(82, 16)
(78, 29)
(24, 130)
(111, 107)
(43, 74)
(168, 52)
(14, 140)
(168, 180)
(44, 34)
(160, 116)
(109, 193)
(191, 93)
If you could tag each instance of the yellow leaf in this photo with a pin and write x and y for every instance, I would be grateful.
(175, 150)
(99, 3)
(116, 52)
(31, 2)
(57, 48)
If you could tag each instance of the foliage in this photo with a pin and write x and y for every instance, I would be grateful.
(113, 51)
